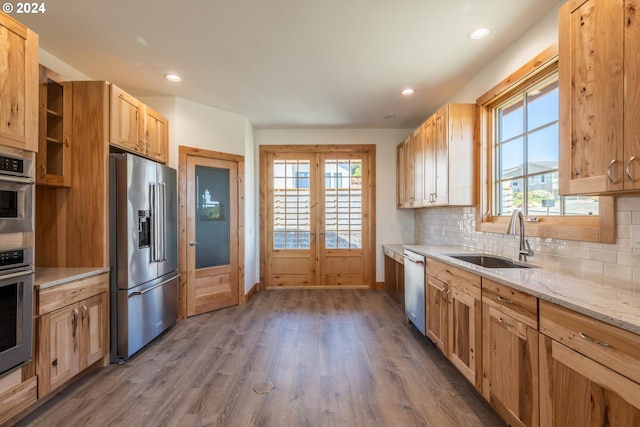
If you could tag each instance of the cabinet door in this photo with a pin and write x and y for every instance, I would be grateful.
(93, 341)
(19, 81)
(510, 367)
(632, 96)
(429, 163)
(465, 335)
(437, 312)
(58, 342)
(401, 169)
(417, 155)
(156, 135)
(441, 146)
(591, 84)
(577, 391)
(126, 121)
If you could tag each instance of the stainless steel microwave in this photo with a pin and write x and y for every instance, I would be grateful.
(16, 190)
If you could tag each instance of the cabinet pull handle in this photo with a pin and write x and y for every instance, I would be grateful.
(508, 301)
(79, 291)
(602, 343)
(84, 312)
(504, 322)
(628, 170)
(613, 162)
(44, 171)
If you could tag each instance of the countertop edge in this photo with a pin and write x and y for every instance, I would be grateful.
(609, 316)
(48, 277)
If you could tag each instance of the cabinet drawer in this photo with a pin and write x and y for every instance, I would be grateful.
(519, 305)
(55, 297)
(466, 282)
(615, 348)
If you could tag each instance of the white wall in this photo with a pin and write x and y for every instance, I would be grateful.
(392, 225)
(199, 126)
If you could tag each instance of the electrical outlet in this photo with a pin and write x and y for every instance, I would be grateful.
(635, 236)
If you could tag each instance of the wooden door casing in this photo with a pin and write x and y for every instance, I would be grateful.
(318, 265)
(215, 287)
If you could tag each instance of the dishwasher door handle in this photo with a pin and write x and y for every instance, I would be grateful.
(417, 261)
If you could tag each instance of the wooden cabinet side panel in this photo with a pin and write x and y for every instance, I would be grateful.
(87, 202)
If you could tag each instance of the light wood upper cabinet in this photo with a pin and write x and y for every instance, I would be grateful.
(19, 82)
(401, 176)
(137, 128)
(53, 161)
(440, 164)
(126, 121)
(599, 96)
(156, 135)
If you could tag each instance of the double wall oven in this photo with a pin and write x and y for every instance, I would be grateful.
(16, 262)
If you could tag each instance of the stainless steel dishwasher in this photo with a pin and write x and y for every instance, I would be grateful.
(414, 300)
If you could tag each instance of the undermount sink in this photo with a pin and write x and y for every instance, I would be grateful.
(490, 261)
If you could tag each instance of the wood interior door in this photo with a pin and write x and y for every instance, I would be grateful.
(212, 234)
(316, 221)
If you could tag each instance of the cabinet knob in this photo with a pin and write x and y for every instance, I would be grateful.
(55, 362)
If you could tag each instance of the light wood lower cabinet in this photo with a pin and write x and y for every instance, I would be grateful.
(589, 371)
(17, 392)
(74, 337)
(453, 317)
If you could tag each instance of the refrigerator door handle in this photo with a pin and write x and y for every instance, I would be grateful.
(163, 222)
(157, 220)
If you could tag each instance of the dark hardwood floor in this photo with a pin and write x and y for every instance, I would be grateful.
(335, 358)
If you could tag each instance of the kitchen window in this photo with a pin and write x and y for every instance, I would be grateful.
(519, 138)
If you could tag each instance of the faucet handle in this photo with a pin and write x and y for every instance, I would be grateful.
(529, 251)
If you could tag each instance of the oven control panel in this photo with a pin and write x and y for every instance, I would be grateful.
(11, 165)
(15, 258)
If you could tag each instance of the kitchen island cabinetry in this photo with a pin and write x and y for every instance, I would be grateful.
(453, 320)
(137, 128)
(600, 96)
(72, 328)
(589, 371)
(19, 81)
(510, 353)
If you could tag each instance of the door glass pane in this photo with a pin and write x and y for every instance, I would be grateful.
(291, 204)
(343, 204)
(212, 212)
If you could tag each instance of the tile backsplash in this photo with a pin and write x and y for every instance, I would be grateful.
(617, 264)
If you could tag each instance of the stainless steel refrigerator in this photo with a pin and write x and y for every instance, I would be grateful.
(143, 252)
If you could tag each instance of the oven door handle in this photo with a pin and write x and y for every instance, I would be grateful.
(17, 274)
(17, 179)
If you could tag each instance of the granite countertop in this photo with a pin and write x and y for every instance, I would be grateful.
(618, 306)
(47, 277)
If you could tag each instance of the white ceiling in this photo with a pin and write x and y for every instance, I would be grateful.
(288, 63)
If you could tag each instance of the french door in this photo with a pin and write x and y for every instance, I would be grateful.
(316, 217)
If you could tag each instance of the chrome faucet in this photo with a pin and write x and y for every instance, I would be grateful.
(525, 249)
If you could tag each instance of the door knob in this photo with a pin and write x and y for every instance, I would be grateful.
(193, 243)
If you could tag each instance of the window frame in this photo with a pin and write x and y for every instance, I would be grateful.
(588, 228)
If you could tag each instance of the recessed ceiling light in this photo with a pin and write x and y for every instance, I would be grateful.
(408, 91)
(173, 77)
(478, 33)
